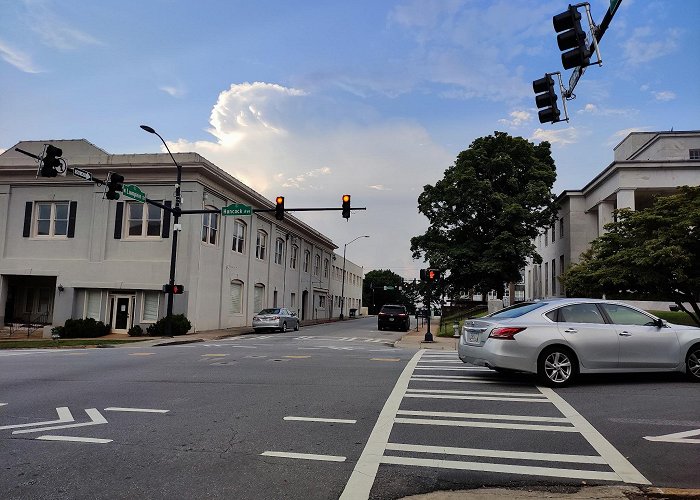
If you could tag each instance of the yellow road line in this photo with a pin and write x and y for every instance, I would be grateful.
(297, 357)
(141, 353)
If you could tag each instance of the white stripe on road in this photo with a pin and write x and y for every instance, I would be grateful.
(476, 398)
(485, 425)
(331, 420)
(96, 418)
(455, 361)
(480, 393)
(362, 477)
(303, 456)
(461, 369)
(614, 458)
(464, 380)
(75, 439)
(516, 455)
(139, 410)
(64, 416)
(483, 416)
(509, 469)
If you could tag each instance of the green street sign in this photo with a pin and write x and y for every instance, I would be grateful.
(387, 287)
(237, 209)
(134, 192)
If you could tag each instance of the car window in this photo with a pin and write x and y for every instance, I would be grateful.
(394, 309)
(622, 315)
(269, 311)
(580, 313)
(517, 310)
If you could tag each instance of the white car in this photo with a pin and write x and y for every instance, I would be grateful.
(277, 318)
(560, 338)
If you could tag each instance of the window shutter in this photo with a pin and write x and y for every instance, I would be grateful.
(165, 231)
(118, 221)
(71, 218)
(27, 219)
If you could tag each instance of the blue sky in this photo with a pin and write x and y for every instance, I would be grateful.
(313, 99)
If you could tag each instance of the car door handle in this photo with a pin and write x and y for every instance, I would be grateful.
(625, 334)
(570, 330)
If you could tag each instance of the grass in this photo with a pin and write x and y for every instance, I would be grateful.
(37, 344)
(676, 317)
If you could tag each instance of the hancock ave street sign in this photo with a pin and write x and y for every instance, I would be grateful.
(134, 192)
(237, 209)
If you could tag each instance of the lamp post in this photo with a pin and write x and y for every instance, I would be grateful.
(342, 287)
(176, 228)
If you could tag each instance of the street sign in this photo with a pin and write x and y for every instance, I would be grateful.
(83, 174)
(387, 287)
(237, 209)
(134, 192)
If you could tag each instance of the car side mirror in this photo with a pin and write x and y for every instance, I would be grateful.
(659, 323)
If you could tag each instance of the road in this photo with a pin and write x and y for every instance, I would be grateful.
(293, 415)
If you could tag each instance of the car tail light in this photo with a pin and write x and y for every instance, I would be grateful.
(382, 314)
(275, 317)
(505, 333)
(401, 315)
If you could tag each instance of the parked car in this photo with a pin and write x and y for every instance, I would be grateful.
(394, 317)
(560, 338)
(278, 318)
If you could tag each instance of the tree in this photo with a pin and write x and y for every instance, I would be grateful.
(375, 296)
(652, 253)
(486, 211)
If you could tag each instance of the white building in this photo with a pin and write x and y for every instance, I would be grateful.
(67, 252)
(646, 164)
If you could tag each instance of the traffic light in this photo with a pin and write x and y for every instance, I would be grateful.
(546, 98)
(51, 162)
(571, 38)
(424, 275)
(346, 206)
(433, 275)
(279, 208)
(176, 289)
(115, 183)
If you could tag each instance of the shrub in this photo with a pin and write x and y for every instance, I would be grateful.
(179, 322)
(58, 330)
(83, 328)
(136, 331)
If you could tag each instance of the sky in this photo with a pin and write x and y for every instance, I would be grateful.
(314, 99)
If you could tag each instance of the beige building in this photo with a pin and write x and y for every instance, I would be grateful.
(67, 252)
(646, 165)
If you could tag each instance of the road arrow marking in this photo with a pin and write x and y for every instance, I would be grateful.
(676, 437)
(96, 418)
(75, 439)
(64, 416)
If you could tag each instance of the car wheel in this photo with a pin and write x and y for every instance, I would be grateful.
(284, 327)
(692, 363)
(296, 326)
(557, 366)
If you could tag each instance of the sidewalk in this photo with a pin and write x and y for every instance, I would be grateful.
(416, 339)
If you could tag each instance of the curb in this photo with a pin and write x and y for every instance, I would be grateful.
(178, 342)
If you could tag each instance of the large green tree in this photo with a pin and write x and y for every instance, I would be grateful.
(652, 253)
(486, 211)
(375, 296)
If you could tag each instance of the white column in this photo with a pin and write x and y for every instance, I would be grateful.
(625, 198)
(605, 215)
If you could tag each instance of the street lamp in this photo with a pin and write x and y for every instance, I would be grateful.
(176, 227)
(342, 288)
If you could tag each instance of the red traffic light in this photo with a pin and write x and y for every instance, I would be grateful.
(174, 289)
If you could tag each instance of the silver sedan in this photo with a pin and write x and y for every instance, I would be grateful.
(560, 338)
(278, 318)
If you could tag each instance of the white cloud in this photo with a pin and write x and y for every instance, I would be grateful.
(517, 118)
(594, 109)
(664, 95)
(17, 58)
(379, 187)
(563, 137)
(54, 31)
(173, 91)
(645, 45)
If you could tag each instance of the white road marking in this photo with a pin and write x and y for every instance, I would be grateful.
(64, 416)
(480, 393)
(455, 361)
(483, 416)
(3, 404)
(75, 439)
(314, 419)
(304, 456)
(96, 418)
(476, 398)
(462, 369)
(464, 380)
(485, 425)
(516, 455)
(677, 437)
(614, 458)
(138, 410)
(509, 469)
(362, 477)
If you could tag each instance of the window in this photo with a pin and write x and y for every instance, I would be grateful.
(143, 220)
(239, 231)
(546, 238)
(580, 313)
(322, 301)
(52, 219)
(622, 315)
(151, 301)
(561, 227)
(210, 228)
(44, 300)
(554, 276)
(554, 232)
(546, 279)
(261, 245)
(274, 298)
(236, 293)
(93, 304)
(325, 268)
(307, 258)
(317, 264)
(561, 271)
(279, 251)
(294, 257)
(694, 154)
(258, 297)
(293, 301)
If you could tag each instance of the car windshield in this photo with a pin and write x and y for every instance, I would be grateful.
(394, 309)
(517, 310)
(269, 311)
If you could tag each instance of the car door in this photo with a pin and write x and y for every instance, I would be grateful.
(595, 342)
(642, 343)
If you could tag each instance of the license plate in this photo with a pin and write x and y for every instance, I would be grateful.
(391, 319)
(473, 337)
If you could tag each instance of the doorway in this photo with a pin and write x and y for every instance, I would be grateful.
(122, 307)
(304, 300)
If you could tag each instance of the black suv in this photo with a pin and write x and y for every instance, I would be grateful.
(394, 317)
